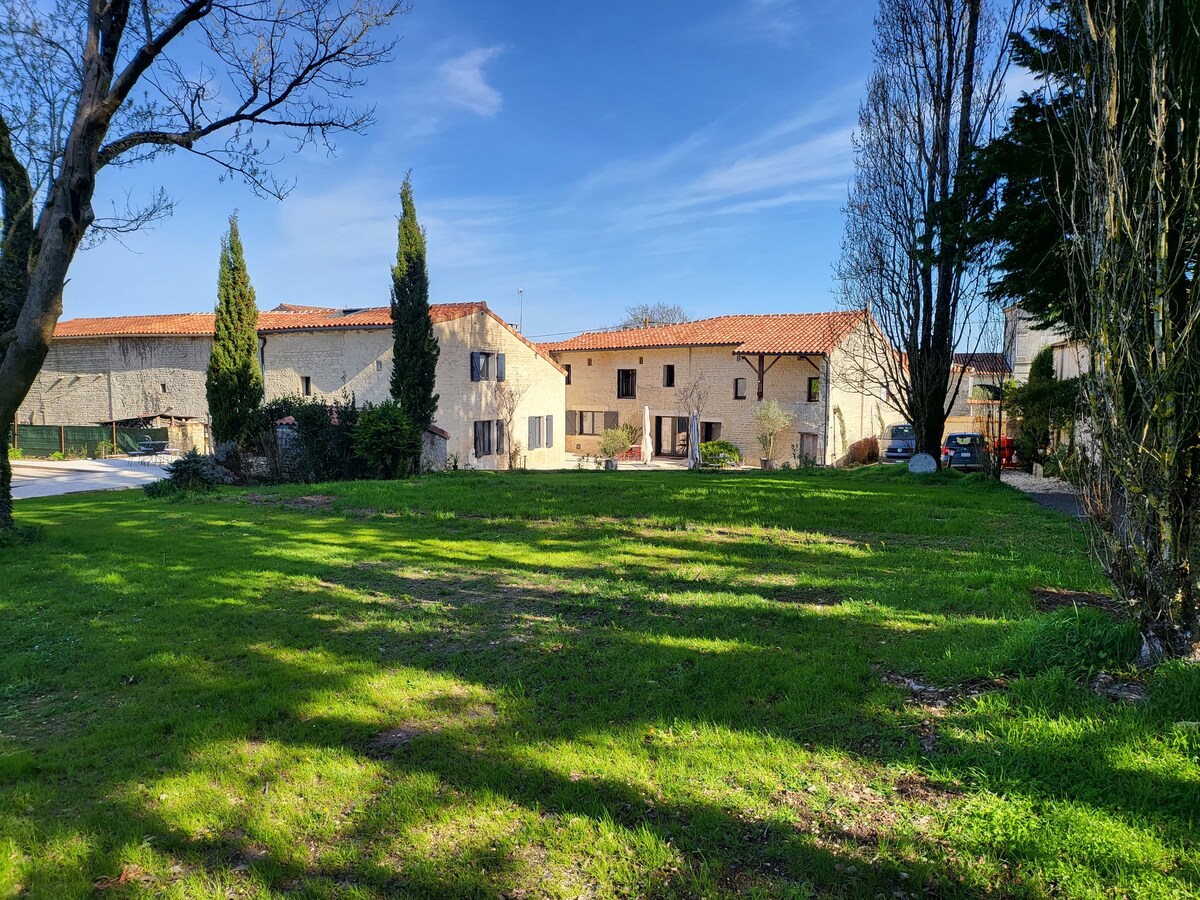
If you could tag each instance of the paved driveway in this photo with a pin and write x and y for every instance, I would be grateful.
(43, 478)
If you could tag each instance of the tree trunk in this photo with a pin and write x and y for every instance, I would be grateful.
(6, 499)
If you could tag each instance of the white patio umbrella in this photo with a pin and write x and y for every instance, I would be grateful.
(694, 441)
(647, 441)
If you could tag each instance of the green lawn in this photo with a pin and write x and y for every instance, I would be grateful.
(578, 684)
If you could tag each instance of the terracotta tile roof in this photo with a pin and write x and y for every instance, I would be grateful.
(284, 317)
(983, 363)
(780, 333)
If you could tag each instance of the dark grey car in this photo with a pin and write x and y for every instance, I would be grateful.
(898, 442)
(964, 451)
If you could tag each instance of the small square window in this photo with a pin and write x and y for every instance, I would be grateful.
(641, 360)
(739, 389)
(164, 387)
(305, 386)
(668, 376)
(814, 389)
(379, 365)
(589, 360)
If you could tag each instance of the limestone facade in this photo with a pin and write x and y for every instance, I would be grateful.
(158, 365)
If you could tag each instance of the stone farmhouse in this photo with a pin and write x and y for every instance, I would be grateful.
(736, 361)
(139, 368)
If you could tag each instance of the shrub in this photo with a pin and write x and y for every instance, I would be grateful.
(864, 452)
(191, 473)
(387, 441)
(719, 454)
(15, 452)
(317, 444)
(614, 442)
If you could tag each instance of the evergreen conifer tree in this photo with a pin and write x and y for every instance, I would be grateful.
(235, 382)
(415, 355)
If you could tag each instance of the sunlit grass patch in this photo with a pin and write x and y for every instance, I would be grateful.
(579, 684)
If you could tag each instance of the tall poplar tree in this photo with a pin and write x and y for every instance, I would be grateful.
(415, 349)
(235, 382)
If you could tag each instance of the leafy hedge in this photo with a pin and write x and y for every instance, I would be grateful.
(719, 454)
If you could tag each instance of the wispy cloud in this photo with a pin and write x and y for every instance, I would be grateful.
(446, 86)
(771, 21)
(804, 157)
(463, 82)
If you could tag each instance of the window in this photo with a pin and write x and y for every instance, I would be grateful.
(536, 432)
(590, 422)
(739, 389)
(814, 389)
(487, 366)
(626, 384)
(641, 359)
(305, 386)
(500, 437)
(379, 365)
(589, 360)
(164, 387)
(710, 431)
(568, 368)
(481, 366)
(483, 439)
(668, 376)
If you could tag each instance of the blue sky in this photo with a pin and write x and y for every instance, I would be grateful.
(594, 155)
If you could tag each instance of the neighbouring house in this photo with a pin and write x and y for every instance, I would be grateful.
(734, 362)
(1025, 340)
(977, 405)
(495, 387)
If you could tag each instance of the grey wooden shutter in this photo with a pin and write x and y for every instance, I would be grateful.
(476, 366)
(572, 421)
(532, 445)
(500, 437)
(610, 420)
(549, 431)
(478, 439)
(499, 366)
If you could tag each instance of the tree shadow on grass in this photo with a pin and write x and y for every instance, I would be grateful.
(307, 656)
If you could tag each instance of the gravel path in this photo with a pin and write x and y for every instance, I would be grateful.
(1052, 493)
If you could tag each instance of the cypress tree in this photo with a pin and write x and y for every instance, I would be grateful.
(235, 382)
(415, 349)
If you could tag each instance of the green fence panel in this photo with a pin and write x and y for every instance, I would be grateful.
(81, 440)
(39, 440)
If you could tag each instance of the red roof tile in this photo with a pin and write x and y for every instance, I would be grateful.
(983, 363)
(284, 317)
(780, 333)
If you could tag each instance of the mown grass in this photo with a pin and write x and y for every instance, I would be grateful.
(577, 684)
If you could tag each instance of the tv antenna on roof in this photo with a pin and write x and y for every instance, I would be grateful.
(521, 320)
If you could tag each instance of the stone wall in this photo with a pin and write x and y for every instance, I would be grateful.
(87, 380)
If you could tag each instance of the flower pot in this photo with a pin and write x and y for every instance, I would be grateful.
(610, 465)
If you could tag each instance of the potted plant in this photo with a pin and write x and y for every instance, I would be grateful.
(614, 442)
(772, 420)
